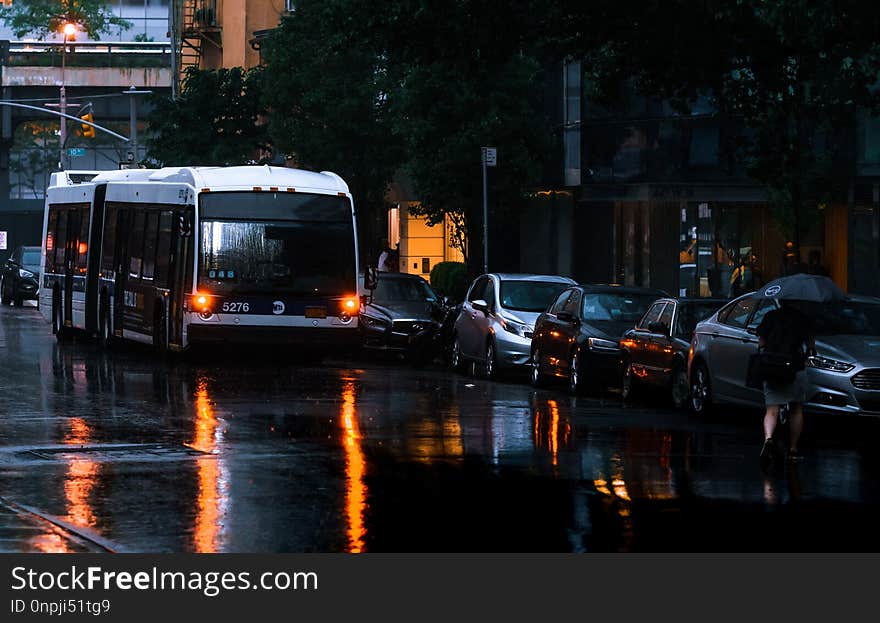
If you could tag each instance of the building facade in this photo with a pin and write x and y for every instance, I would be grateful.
(647, 200)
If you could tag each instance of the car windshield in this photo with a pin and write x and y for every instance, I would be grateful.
(847, 318)
(689, 314)
(30, 257)
(396, 289)
(530, 296)
(616, 307)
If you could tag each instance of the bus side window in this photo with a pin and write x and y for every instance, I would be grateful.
(60, 241)
(50, 241)
(109, 247)
(150, 236)
(82, 245)
(163, 249)
(136, 246)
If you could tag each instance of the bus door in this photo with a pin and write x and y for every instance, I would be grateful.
(70, 246)
(120, 267)
(179, 271)
(94, 259)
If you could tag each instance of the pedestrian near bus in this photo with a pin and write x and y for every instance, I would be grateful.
(786, 330)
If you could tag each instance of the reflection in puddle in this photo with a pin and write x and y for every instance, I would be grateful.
(356, 490)
(213, 493)
(81, 478)
(550, 430)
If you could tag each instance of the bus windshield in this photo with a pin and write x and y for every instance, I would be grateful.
(278, 243)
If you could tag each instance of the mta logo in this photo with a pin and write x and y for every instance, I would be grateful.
(277, 307)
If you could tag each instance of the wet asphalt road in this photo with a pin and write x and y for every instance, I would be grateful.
(122, 451)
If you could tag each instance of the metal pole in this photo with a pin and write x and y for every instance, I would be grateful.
(133, 129)
(485, 220)
(63, 108)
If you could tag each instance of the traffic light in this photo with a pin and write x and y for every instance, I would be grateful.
(87, 130)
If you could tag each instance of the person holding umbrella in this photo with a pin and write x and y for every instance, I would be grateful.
(786, 335)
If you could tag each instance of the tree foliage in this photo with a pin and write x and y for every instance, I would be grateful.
(327, 93)
(40, 18)
(215, 121)
(420, 85)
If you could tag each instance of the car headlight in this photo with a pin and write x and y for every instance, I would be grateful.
(372, 321)
(832, 365)
(600, 344)
(25, 274)
(515, 327)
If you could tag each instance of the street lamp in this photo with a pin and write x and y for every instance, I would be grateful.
(69, 30)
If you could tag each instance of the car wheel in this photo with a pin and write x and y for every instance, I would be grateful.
(574, 373)
(536, 375)
(455, 359)
(679, 386)
(489, 363)
(701, 389)
(628, 380)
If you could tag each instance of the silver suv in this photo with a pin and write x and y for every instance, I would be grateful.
(497, 319)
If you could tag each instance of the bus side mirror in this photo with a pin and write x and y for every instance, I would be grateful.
(371, 278)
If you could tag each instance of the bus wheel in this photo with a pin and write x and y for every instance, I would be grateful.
(105, 331)
(160, 337)
(57, 319)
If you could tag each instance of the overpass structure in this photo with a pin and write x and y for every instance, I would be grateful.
(96, 77)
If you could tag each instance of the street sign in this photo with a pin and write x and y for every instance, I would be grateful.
(73, 152)
(490, 156)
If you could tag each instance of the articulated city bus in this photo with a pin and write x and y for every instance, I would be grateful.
(177, 256)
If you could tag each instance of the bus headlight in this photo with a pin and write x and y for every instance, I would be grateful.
(350, 305)
(345, 317)
(201, 303)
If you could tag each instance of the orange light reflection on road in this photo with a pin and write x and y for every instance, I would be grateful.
(82, 476)
(213, 492)
(554, 430)
(356, 491)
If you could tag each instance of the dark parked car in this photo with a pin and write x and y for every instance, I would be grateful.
(21, 276)
(578, 337)
(655, 352)
(402, 317)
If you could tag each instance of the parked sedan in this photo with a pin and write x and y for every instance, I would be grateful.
(655, 352)
(495, 325)
(578, 338)
(21, 276)
(843, 378)
(402, 316)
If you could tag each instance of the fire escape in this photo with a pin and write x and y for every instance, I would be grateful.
(198, 28)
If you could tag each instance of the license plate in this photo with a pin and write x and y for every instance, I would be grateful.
(316, 312)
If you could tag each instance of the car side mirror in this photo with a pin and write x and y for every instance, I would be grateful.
(480, 305)
(565, 316)
(658, 327)
(752, 330)
(371, 278)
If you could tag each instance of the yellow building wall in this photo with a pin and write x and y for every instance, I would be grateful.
(420, 242)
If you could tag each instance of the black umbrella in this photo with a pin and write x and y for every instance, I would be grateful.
(802, 287)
